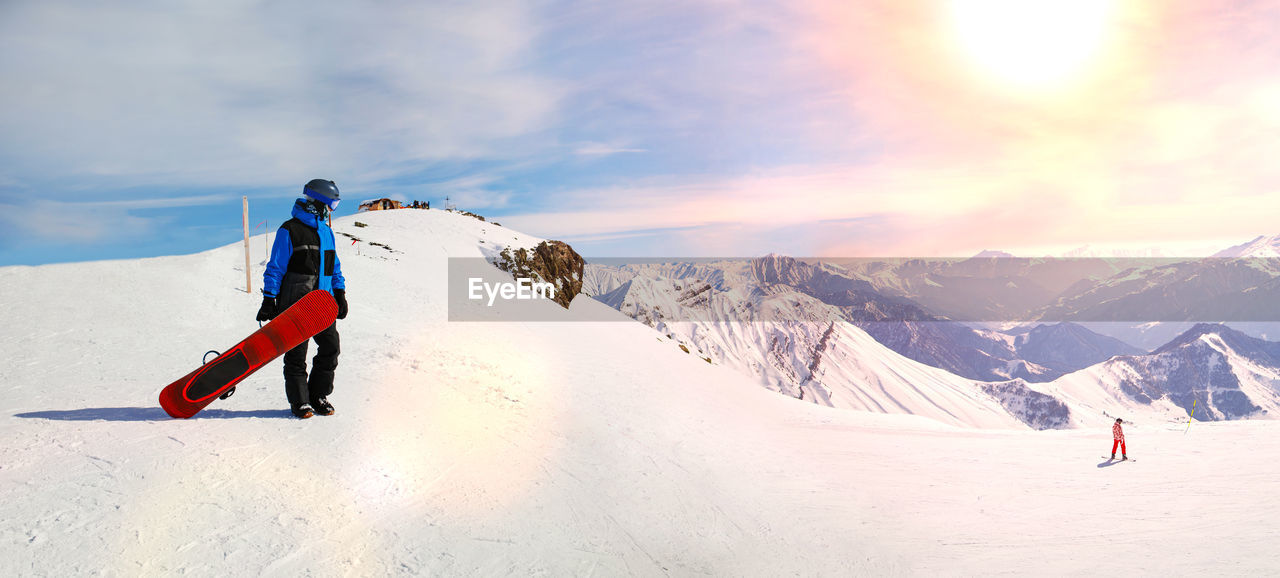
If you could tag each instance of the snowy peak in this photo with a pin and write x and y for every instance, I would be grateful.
(654, 301)
(1261, 247)
(1257, 351)
(775, 269)
(1198, 332)
(1214, 371)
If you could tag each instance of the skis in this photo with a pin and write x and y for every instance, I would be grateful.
(1120, 460)
(310, 315)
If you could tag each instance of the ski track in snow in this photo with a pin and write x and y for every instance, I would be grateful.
(543, 449)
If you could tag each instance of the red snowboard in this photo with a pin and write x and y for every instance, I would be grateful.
(309, 316)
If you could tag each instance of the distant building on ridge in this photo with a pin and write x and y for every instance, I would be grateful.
(380, 205)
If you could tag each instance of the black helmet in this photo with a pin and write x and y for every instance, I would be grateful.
(324, 191)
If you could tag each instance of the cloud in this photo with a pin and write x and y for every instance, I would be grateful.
(48, 222)
(154, 203)
(696, 86)
(596, 149)
(1167, 137)
(235, 93)
(914, 209)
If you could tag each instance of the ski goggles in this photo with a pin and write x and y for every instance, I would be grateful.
(331, 203)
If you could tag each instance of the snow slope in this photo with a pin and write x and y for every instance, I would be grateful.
(542, 449)
(796, 345)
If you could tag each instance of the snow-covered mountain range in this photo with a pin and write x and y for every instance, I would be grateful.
(809, 330)
(1213, 289)
(1241, 284)
(895, 321)
(986, 287)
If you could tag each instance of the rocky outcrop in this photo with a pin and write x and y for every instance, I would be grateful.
(1038, 410)
(553, 262)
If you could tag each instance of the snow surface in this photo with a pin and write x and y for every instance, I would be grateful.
(543, 449)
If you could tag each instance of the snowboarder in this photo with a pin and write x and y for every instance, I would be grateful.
(303, 258)
(1117, 433)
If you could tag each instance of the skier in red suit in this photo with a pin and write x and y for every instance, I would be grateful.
(1117, 433)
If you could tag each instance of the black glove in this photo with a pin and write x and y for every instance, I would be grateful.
(268, 310)
(340, 295)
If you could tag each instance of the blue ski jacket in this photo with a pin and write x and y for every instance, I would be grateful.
(303, 258)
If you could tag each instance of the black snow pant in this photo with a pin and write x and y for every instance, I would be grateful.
(297, 386)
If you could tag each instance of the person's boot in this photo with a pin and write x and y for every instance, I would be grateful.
(1123, 457)
(301, 410)
(1113, 456)
(295, 390)
(322, 406)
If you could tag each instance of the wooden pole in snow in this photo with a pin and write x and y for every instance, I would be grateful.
(248, 273)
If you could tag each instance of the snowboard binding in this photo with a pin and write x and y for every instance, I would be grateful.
(205, 360)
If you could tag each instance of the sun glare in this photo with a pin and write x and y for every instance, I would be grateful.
(1031, 44)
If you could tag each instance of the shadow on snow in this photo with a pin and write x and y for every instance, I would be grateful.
(146, 414)
(1109, 463)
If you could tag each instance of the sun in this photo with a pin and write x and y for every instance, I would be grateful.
(1031, 44)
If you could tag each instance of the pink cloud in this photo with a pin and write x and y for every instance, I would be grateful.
(1167, 136)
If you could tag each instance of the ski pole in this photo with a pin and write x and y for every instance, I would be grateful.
(1193, 414)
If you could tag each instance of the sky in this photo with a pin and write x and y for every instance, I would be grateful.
(653, 128)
